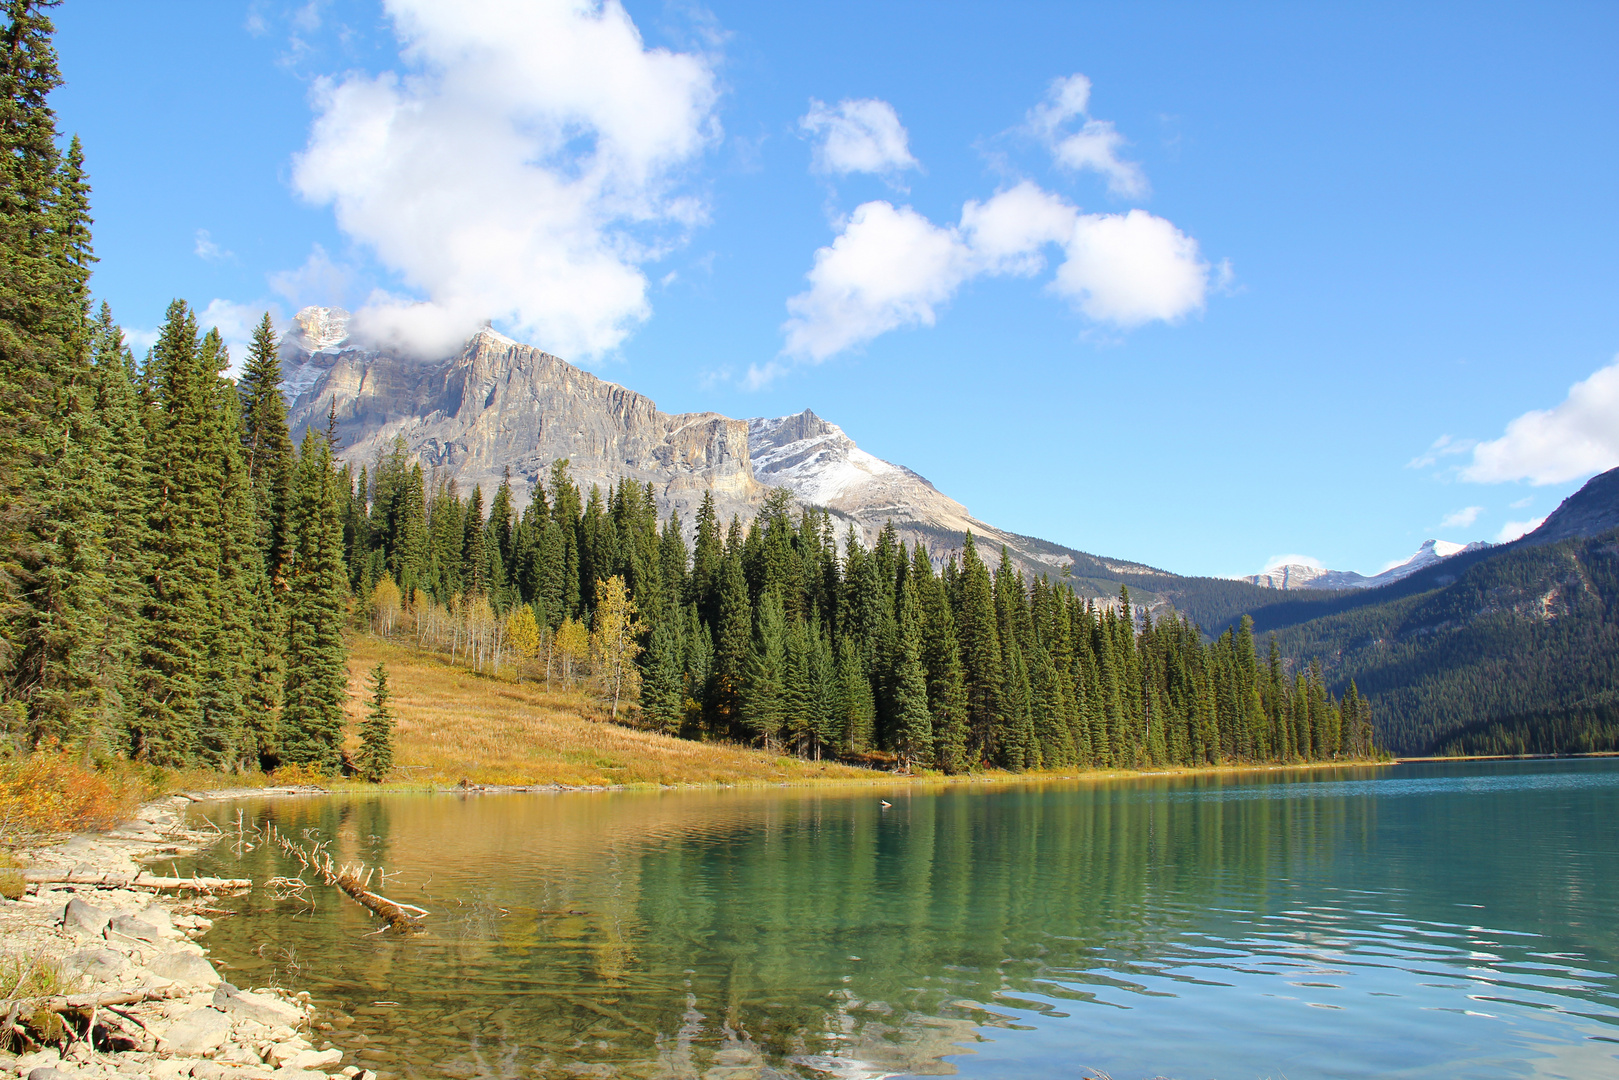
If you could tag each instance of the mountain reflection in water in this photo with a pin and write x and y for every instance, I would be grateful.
(1416, 921)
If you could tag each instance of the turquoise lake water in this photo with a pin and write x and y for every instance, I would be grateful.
(1456, 920)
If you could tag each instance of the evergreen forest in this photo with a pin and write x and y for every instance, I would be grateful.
(177, 577)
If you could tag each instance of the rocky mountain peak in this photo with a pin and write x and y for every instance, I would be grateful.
(318, 329)
(1591, 510)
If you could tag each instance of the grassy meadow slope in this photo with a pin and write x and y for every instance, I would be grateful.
(454, 725)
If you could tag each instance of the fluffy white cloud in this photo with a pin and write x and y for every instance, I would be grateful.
(858, 135)
(1094, 146)
(1514, 529)
(1129, 269)
(891, 267)
(1550, 446)
(1008, 233)
(1462, 518)
(524, 169)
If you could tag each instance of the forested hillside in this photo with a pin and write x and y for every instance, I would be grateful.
(1515, 647)
(769, 632)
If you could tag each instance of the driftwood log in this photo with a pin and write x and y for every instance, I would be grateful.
(139, 880)
(61, 1003)
(403, 918)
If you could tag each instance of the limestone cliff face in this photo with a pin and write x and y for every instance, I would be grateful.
(497, 405)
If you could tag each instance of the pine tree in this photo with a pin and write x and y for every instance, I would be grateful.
(980, 654)
(268, 446)
(913, 722)
(474, 553)
(764, 678)
(182, 590)
(317, 657)
(375, 758)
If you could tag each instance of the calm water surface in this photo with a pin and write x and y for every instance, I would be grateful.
(1416, 921)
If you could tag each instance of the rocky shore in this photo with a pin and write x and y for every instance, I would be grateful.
(133, 973)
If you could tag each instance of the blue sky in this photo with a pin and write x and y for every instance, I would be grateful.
(1191, 285)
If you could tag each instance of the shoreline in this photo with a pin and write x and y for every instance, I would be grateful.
(142, 996)
(226, 794)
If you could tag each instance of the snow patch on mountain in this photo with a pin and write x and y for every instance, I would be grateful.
(319, 329)
(813, 459)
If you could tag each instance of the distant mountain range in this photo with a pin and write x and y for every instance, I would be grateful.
(1510, 648)
(1302, 576)
(1458, 648)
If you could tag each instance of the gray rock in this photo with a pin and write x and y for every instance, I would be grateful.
(48, 1073)
(197, 1032)
(315, 1059)
(100, 964)
(158, 917)
(132, 926)
(208, 1070)
(185, 967)
(87, 919)
(261, 1007)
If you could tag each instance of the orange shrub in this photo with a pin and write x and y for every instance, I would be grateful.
(52, 791)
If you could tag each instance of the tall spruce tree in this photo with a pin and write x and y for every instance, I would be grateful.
(317, 657)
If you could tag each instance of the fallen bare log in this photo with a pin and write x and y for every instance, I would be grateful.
(403, 918)
(61, 1003)
(139, 880)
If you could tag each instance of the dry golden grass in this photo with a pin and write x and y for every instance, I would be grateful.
(454, 726)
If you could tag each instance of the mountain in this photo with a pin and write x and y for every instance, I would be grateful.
(1589, 511)
(498, 405)
(1299, 576)
(1506, 648)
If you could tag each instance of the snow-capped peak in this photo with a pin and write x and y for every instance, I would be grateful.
(812, 458)
(318, 329)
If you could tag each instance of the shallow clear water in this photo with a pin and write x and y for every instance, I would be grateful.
(1416, 921)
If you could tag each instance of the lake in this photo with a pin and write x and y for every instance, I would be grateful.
(1424, 920)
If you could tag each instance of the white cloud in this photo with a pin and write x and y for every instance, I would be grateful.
(1462, 518)
(1514, 529)
(524, 169)
(1576, 438)
(319, 281)
(1009, 232)
(205, 248)
(1129, 269)
(1095, 146)
(1521, 503)
(891, 267)
(1292, 560)
(858, 135)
